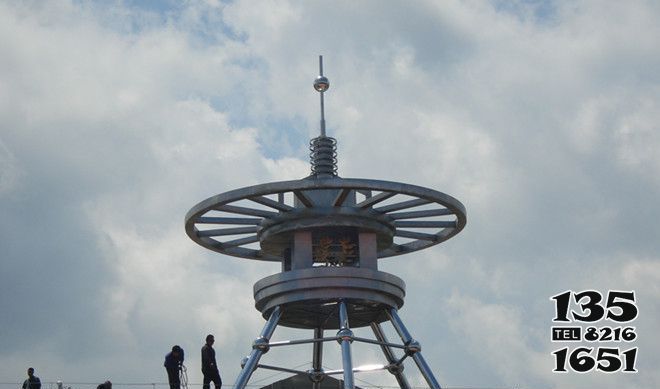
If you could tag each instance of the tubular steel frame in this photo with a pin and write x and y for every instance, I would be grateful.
(345, 337)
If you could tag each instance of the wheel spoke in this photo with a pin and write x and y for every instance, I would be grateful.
(402, 205)
(365, 192)
(228, 220)
(425, 224)
(227, 231)
(416, 214)
(303, 198)
(244, 251)
(375, 199)
(415, 235)
(271, 203)
(246, 211)
(341, 197)
(240, 242)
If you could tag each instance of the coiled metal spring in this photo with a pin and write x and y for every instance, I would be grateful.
(323, 156)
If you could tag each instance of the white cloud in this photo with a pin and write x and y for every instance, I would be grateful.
(497, 333)
(10, 171)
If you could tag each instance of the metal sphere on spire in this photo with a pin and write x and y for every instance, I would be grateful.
(321, 84)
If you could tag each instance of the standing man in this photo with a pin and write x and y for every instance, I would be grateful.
(209, 365)
(32, 382)
(173, 363)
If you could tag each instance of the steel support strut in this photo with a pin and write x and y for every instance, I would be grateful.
(317, 357)
(389, 355)
(416, 354)
(259, 347)
(345, 336)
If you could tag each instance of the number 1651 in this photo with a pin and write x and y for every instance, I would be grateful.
(607, 360)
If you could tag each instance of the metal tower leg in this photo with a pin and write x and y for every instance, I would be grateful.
(345, 336)
(389, 355)
(259, 347)
(317, 359)
(412, 348)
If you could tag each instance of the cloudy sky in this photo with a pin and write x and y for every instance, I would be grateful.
(117, 117)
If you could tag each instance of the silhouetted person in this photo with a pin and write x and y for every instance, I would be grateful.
(209, 365)
(32, 382)
(105, 385)
(173, 363)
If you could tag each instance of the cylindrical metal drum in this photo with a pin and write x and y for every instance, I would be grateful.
(308, 297)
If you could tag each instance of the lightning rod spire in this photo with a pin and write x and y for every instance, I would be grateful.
(321, 84)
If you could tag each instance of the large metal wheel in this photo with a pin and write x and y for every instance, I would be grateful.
(231, 223)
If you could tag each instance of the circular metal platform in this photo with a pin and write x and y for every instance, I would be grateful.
(308, 297)
(405, 217)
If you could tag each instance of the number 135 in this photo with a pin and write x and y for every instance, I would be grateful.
(619, 306)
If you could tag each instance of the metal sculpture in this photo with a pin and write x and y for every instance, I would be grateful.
(328, 233)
